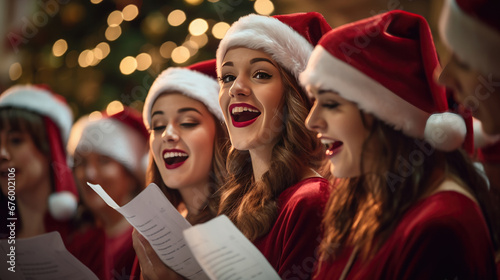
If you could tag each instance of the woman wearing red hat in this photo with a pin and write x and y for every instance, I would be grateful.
(274, 194)
(34, 128)
(410, 204)
(111, 151)
(188, 144)
(471, 31)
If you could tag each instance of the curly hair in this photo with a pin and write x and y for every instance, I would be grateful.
(217, 174)
(364, 211)
(252, 204)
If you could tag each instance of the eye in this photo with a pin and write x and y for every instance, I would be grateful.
(262, 75)
(189, 124)
(227, 78)
(159, 128)
(16, 139)
(330, 105)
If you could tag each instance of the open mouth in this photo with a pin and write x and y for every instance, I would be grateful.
(332, 147)
(243, 114)
(174, 158)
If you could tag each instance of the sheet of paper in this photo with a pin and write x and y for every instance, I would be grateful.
(225, 253)
(43, 257)
(152, 214)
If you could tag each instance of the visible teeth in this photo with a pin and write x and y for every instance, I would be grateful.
(327, 141)
(174, 154)
(241, 109)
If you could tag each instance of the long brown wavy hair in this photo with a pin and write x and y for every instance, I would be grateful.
(252, 204)
(364, 211)
(217, 174)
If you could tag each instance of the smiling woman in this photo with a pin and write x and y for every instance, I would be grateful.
(275, 193)
(188, 143)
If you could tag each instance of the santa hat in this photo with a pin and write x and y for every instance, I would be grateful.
(120, 136)
(471, 28)
(289, 39)
(385, 65)
(198, 81)
(57, 118)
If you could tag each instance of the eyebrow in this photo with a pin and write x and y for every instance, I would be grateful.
(187, 109)
(258, 59)
(181, 110)
(252, 61)
(322, 91)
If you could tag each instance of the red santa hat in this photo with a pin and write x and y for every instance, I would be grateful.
(57, 118)
(471, 29)
(385, 65)
(120, 136)
(198, 81)
(289, 39)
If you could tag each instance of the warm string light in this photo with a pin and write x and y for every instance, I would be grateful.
(263, 7)
(15, 71)
(59, 47)
(114, 107)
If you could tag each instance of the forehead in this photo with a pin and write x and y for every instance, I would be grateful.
(171, 102)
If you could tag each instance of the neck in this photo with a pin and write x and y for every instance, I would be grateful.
(195, 197)
(32, 207)
(261, 161)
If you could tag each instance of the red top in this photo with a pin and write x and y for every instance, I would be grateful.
(108, 258)
(291, 243)
(443, 236)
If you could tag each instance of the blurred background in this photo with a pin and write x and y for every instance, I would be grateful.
(100, 54)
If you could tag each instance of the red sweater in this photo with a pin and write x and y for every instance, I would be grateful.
(443, 236)
(290, 246)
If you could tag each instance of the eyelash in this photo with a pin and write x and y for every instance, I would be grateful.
(224, 78)
(330, 105)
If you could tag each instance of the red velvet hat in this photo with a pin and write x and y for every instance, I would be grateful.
(385, 65)
(289, 39)
(471, 29)
(58, 119)
(198, 81)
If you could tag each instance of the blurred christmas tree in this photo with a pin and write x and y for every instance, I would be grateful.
(96, 51)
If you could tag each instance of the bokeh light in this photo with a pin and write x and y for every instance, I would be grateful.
(128, 65)
(176, 17)
(113, 32)
(220, 29)
(59, 47)
(115, 18)
(114, 107)
(263, 7)
(144, 60)
(180, 54)
(194, 2)
(130, 12)
(15, 71)
(167, 48)
(198, 27)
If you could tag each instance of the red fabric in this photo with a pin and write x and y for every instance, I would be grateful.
(396, 50)
(311, 25)
(291, 243)
(490, 154)
(443, 236)
(108, 258)
(206, 67)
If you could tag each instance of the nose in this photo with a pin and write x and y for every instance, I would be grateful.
(240, 87)
(313, 121)
(90, 172)
(170, 134)
(4, 152)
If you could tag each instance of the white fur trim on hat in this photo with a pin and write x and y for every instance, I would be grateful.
(42, 102)
(189, 82)
(62, 205)
(285, 45)
(473, 41)
(111, 138)
(327, 72)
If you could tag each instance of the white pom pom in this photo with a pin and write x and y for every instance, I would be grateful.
(481, 139)
(62, 205)
(445, 131)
